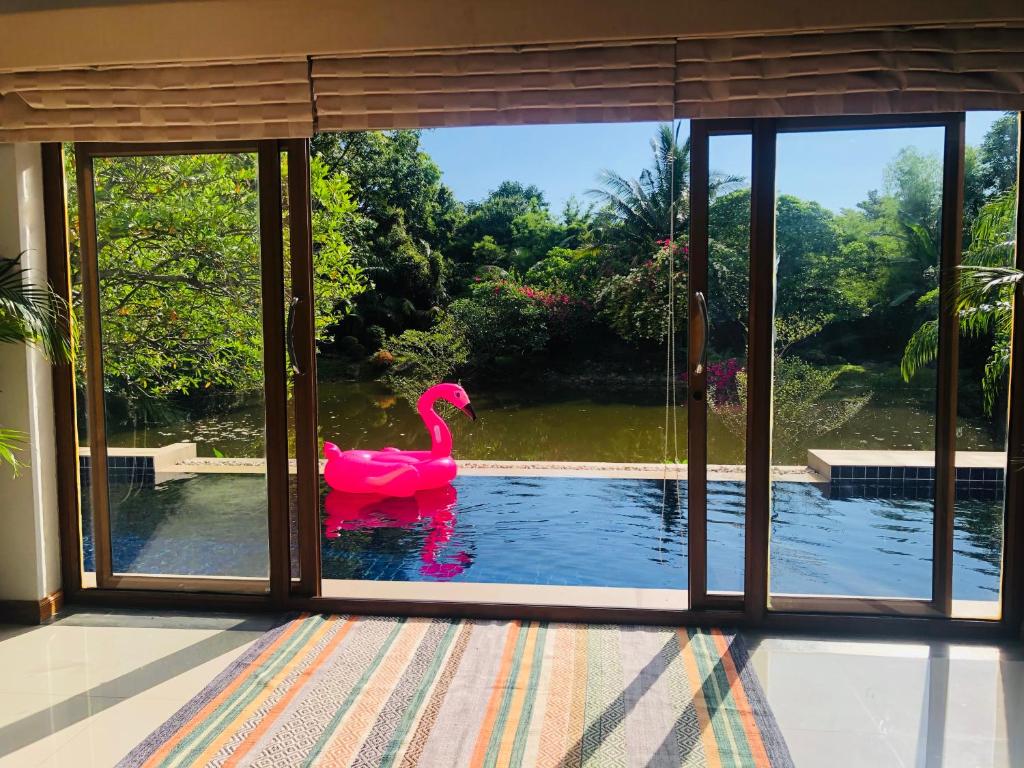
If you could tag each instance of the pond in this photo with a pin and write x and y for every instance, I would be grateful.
(548, 424)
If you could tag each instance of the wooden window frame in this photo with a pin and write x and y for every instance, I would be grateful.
(755, 608)
(275, 585)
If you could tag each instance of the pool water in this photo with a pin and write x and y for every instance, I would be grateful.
(558, 530)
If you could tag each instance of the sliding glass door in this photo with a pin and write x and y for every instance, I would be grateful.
(842, 408)
(867, 477)
(179, 310)
(862, 265)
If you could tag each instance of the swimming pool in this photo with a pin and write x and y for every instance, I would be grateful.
(562, 530)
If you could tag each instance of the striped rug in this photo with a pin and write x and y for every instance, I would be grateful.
(356, 691)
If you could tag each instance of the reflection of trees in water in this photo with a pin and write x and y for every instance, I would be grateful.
(981, 523)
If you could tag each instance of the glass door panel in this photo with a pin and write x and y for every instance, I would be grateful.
(176, 306)
(550, 304)
(858, 228)
(983, 385)
(728, 310)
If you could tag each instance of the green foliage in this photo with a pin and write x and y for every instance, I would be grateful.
(406, 220)
(29, 314)
(501, 323)
(180, 276)
(337, 279)
(804, 407)
(487, 253)
(179, 268)
(11, 441)
(645, 206)
(998, 156)
(514, 228)
(635, 304)
(574, 272)
(984, 306)
(803, 404)
(914, 180)
(820, 275)
(421, 359)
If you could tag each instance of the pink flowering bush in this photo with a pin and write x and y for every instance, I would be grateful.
(722, 378)
(562, 313)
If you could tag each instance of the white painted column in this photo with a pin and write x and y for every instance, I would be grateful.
(29, 549)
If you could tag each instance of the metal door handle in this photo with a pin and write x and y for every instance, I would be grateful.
(290, 336)
(702, 358)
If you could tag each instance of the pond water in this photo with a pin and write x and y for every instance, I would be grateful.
(535, 424)
(547, 530)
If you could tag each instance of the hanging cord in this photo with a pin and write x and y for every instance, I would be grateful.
(671, 404)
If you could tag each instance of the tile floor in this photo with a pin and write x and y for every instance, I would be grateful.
(84, 690)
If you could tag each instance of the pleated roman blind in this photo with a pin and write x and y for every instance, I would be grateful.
(813, 73)
(161, 102)
(532, 84)
(869, 72)
(821, 73)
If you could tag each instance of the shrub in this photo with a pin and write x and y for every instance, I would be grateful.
(802, 404)
(375, 337)
(500, 321)
(635, 304)
(722, 381)
(421, 359)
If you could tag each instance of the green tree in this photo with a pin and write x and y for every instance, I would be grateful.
(501, 322)
(804, 404)
(647, 207)
(401, 236)
(984, 309)
(998, 156)
(511, 227)
(816, 277)
(635, 304)
(180, 275)
(419, 359)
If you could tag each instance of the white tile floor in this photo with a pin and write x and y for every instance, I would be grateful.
(83, 691)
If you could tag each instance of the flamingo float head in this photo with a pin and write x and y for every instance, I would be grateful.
(451, 393)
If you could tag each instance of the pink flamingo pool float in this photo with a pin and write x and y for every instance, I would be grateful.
(391, 472)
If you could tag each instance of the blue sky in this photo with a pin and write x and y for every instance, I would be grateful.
(837, 169)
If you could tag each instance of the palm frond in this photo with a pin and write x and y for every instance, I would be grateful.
(997, 368)
(31, 313)
(980, 285)
(921, 350)
(11, 440)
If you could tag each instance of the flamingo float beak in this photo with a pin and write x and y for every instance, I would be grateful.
(468, 410)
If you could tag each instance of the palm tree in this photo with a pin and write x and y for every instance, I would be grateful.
(644, 206)
(33, 315)
(986, 284)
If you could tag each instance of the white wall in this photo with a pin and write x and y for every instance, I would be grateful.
(29, 551)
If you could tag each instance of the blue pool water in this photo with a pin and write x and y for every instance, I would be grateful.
(574, 531)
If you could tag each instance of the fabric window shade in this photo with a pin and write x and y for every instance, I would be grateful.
(838, 73)
(170, 102)
(874, 71)
(537, 84)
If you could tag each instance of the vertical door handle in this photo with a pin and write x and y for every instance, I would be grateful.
(290, 336)
(702, 358)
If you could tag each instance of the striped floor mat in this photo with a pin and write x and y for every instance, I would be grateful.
(342, 690)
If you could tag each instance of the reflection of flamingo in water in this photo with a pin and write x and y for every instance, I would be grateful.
(359, 511)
